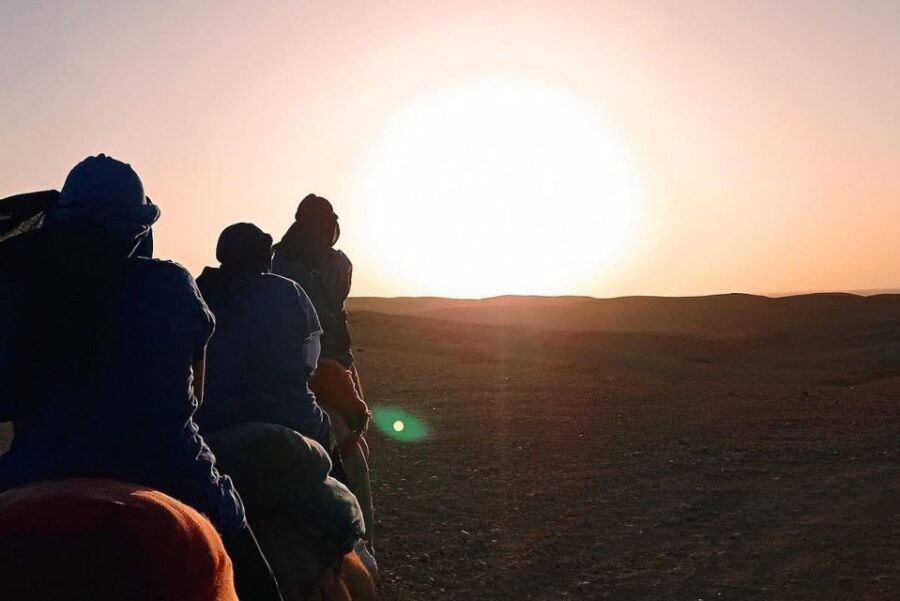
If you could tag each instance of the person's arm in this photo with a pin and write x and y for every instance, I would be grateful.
(301, 322)
(311, 351)
(199, 369)
(202, 325)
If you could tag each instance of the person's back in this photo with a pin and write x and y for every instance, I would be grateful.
(264, 348)
(137, 385)
(327, 285)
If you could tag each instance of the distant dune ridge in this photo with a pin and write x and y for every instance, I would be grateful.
(732, 316)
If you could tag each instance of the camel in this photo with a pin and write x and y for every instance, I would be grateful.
(306, 522)
(105, 540)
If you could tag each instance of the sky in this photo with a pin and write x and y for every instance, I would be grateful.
(481, 148)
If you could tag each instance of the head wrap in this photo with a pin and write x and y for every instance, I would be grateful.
(316, 216)
(314, 231)
(104, 197)
(314, 208)
(244, 247)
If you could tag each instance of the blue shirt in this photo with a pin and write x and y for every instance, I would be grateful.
(130, 416)
(260, 358)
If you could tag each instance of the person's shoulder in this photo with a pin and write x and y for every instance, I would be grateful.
(161, 271)
(341, 258)
(282, 264)
(288, 293)
(279, 282)
(282, 285)
(161, 266)
(209, 276)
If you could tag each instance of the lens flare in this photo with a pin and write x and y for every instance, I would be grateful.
(399, 424)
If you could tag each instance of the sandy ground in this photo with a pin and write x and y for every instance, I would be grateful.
(628, 466)
(593, 465)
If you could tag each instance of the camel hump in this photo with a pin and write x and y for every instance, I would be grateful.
(107, 540)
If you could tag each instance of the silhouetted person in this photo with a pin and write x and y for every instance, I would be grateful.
(306, 254)
(101, 359)
(266, 342)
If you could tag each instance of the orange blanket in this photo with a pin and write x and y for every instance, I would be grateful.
(103, 540)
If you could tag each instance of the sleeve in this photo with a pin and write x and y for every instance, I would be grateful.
(311, 351)
(202, 321)
(308, 328)
(307, 313)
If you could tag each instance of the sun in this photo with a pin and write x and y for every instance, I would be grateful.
(497, 186)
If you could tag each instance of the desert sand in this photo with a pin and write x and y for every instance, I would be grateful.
(731, 447)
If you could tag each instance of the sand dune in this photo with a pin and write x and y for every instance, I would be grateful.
(418, 305)
(641, 465)
(721, 316)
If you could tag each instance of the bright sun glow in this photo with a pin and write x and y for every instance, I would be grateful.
(498, 186)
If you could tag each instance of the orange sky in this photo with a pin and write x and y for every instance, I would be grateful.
(765, 138)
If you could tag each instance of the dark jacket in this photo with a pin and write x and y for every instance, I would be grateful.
(328, 285)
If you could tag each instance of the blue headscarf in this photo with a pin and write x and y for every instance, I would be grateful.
(66, 280)
(104, 197)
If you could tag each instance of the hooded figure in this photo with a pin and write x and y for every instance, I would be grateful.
(306, 255)
(101, 359)
(266, 342)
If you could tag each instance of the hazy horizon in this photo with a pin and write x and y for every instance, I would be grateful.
(480, 149)
(867, 292)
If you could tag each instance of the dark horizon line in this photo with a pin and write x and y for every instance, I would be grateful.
(859, 292)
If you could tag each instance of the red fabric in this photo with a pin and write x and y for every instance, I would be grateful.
(103, 540)
(351, 581)
(332, 383)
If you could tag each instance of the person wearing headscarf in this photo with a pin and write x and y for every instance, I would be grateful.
(306, 254)
(101, 359)
(266, 342)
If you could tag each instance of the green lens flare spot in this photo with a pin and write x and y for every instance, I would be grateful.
(399, 424)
